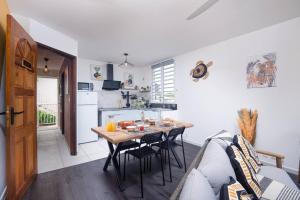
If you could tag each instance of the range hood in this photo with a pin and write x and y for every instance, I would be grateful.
(110, 84)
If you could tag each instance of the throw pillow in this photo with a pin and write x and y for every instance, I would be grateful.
(272, 189)
(196, 187)
(244, 172)
(215, 166)
(234, 191)
(248, 151)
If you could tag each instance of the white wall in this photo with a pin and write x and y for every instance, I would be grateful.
(48, 36)
(108, 99)
(212, 104)
(47, 91)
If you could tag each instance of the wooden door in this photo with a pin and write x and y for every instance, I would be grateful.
(68, 80)
(21, 143)
(61, 102)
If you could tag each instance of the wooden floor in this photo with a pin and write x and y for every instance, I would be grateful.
(88, 181)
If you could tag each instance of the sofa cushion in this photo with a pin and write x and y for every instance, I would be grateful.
(277, 174)
(197, 187)
(244, 172)
(272, 189)
(234, 191)
(215, 166)
(248, 151)
(224, 139)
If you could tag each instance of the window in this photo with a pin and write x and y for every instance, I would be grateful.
(163, 82)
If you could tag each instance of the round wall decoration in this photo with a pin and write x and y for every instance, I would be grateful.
(200, 71)
(24, 54)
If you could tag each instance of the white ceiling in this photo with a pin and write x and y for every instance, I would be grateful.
(152, 30)
(55, 60)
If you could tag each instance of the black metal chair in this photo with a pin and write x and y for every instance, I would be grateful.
(144, 152)
(126, 146)
(170, 143)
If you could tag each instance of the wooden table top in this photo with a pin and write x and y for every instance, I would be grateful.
(122, 135)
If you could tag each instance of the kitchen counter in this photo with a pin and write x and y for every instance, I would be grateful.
(121, 114)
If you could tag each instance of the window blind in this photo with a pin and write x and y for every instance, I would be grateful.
(163, 82)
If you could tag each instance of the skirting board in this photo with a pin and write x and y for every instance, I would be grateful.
(3, 194)
(288, 169)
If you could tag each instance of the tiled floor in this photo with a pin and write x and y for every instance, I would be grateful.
(53, 152)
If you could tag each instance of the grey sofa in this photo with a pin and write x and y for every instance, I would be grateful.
(214, 165)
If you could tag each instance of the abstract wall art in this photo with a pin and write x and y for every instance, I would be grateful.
(261, 71)
(96, 72)
(128, 80)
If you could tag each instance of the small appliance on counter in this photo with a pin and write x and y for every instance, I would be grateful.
(87, 117)
(84, 86)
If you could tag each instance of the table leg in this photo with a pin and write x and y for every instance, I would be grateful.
(176, 156)
(107, 162)
(113, 157)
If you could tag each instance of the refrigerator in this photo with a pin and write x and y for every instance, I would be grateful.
(87, 116)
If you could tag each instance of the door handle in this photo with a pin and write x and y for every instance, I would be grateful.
(2, 113)
(13, 114)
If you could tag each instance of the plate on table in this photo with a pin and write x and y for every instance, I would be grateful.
(131, 128)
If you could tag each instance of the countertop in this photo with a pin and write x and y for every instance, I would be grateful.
(145, 109)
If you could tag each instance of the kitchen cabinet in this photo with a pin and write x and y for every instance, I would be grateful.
(133, 114)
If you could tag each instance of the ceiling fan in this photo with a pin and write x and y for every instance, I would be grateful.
(202, 9)
(126, 63)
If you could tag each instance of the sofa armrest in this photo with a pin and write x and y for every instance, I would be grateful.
(279, 157)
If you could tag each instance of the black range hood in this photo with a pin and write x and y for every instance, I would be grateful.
(110, 84)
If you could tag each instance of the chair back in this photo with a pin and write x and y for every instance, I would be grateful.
(152, 138)
(175, 132)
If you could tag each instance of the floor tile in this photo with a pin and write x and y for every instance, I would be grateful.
(92, 148)
(98, 156)
(74, 160)
(53, 151)
(47, 166)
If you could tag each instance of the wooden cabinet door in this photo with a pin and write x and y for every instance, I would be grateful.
(21, 143)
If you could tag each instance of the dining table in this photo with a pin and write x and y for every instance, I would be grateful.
(119, 136)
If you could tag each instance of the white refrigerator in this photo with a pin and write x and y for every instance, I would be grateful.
(87, 116)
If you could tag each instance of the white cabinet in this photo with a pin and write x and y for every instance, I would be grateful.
(121, 115)
(151, 114)
(169, 114)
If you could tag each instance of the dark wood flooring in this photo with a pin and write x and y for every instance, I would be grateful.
(88, 181)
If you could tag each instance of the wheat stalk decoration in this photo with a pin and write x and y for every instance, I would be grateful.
(247, 123)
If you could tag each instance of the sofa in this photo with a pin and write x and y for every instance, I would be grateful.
(215, 167)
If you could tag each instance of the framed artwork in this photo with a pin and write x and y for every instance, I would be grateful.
(261, 71)
(128, 81)
(96, 72)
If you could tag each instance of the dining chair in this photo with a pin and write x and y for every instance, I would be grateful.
(131, 144)
(170, 142)
(144, 151)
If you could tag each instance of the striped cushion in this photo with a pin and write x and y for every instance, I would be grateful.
(234, 191)
(248, 151)
(274, 190)
(244, 172)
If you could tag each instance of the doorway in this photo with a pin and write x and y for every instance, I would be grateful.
(56, 113)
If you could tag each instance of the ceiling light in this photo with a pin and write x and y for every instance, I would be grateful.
(126, 63)
(46, 67)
